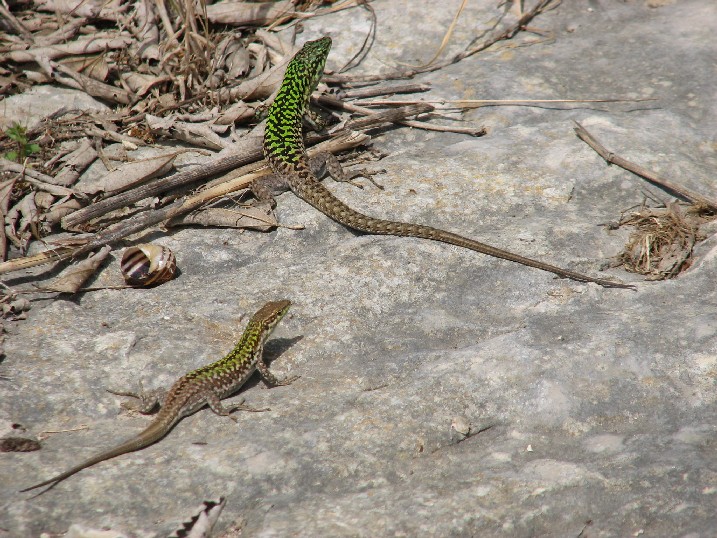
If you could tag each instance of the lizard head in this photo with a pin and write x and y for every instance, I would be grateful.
(270, 314)
(311, 59)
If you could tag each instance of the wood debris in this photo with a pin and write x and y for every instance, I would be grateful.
(72, 279)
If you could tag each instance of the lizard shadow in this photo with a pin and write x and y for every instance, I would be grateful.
(273, 349)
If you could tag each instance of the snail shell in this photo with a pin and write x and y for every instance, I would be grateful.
(148, 265)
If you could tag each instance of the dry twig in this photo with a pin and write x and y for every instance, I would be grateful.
(672, 187)
(506, 34)
(330, 100)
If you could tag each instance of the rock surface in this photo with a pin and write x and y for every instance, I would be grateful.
(442, 392)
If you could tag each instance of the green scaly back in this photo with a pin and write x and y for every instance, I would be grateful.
(283, 141)
(257, 331)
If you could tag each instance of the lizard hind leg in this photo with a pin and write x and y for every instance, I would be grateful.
(327, 163)
(148, 401)
(267, 187)
(215, 404)
(316, 120)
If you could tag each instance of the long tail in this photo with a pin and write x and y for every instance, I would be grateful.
(154, 432)
(313, 192)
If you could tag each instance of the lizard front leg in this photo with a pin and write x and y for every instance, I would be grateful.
(266, 375)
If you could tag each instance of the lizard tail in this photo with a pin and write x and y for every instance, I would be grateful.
(154, 432)
(313, 192)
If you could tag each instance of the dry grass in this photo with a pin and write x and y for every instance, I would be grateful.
(661, 245)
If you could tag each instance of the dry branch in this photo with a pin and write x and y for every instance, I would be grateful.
(91, 45)
(244, 152)
(672, 187)
(373, 91)
(506, 34)
(48, 256)
(330, 100)
(249, 174)
(37, 179)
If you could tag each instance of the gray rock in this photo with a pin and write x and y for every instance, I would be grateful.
(41, 101)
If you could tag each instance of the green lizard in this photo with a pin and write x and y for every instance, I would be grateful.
(285, 152)
(204, 386)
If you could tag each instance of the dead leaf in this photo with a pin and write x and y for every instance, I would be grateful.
(93, 66)
(238, 63)
(239, 112)
(75, 163)
(15, 309)
(259, 87)
(19, 219)
(141, 83)
(131, 174)
(60, 210)
(198, 134)
(72, 278)
(43, 200)
(145, 20)
(18, 444)
(258, 217)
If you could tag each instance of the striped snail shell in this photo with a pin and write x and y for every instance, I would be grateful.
(148, 265)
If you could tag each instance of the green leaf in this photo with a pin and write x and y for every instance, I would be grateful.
(17, 133)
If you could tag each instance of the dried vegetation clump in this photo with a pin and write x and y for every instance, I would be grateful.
(154, 57)
(660, 246)
(181, 70)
